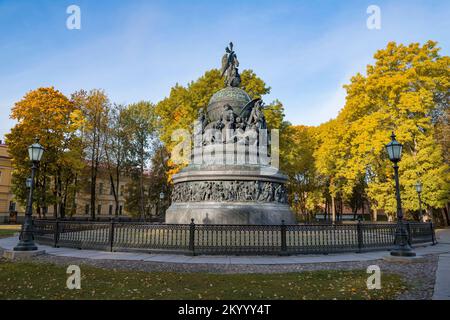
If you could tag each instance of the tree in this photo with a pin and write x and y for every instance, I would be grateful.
(94, 106)
(46, 114)
(158, 179)
(117, 147)
(400, 93)
(299, 165)
(139, 119)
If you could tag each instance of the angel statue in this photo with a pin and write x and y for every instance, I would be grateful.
(230, 66)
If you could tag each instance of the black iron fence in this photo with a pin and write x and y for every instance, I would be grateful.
(227, 239)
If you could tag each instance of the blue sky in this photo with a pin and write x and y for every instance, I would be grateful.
(136, 50)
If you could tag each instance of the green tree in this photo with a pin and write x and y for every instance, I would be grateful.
(158, 180)
(117, 147)
(94, 106)
(139, 119)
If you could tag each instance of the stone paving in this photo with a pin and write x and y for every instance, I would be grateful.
(420, 274)
(442, 284)
(9, 243)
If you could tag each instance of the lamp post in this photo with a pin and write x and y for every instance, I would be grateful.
(28, 183)
(26, 242)
(418, 186)
(402, 248)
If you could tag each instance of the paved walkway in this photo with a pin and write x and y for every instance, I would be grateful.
(441, 289)
(9, 243)
(442, 284)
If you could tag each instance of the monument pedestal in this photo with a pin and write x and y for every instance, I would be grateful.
(229, 194)
(229, 213)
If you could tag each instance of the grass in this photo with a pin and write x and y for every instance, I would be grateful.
(8, 230)
(31, 280)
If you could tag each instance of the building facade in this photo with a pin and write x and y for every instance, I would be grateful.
(105, 202)
(7, 202)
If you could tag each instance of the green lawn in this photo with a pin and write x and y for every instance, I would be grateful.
(28, 280)
(8, 231)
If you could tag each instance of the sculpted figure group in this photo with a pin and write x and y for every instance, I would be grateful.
(221, 191)
(232, 128)
(242, 128)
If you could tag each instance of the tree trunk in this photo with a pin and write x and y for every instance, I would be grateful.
(74, 196)
(59, 194)
(44, 194)
(445, 216)
(333, 209)
(141, 186)
(111, 179)
(362, 211)
(64, 202)
(117, 190)
(55, 205)
(93, 191)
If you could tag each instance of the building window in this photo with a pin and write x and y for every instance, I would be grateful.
(12, 206)
(121, 190)
(120, 210)
(100, 190)
(110, 209)
(86, 209)
(99, 209)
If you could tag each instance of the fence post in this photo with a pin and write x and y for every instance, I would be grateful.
(408, 228)
(192, 237)
(283, 239)
(360, 236)
(56, 234)
(433, 234)
(111, 235)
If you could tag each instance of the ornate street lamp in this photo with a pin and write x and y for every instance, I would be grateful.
(26, 242)
(418, 186)
(28, 183)
(402, 248)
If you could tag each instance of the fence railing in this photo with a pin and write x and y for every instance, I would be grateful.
(227, 239)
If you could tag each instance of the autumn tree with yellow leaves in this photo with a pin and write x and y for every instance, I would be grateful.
(48, 115)
(399, 93)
